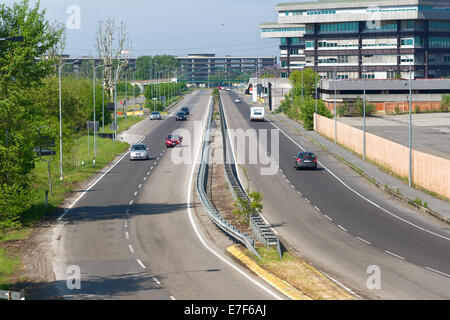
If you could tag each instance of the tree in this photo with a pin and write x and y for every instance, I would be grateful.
(309, 81)
(445, 104)
(147, 66)
(112, 43)
(244, 208)
(307, 110)
(20, 71)
(359, 107)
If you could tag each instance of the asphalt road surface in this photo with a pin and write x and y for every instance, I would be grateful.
(134, 234)
(346, 232)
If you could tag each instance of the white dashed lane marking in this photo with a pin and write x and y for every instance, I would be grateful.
(395, 255)
(140, 263)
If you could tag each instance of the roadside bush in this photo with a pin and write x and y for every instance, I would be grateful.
(359, 107)
(308, 109)
(445, 104)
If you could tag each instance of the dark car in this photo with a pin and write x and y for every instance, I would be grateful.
(185, 110)
(172, 140)
(305, 159)
(180, 116)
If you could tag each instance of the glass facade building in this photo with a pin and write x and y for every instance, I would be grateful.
(384, 39)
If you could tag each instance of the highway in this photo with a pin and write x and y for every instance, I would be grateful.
(343, 224)
(135, 234)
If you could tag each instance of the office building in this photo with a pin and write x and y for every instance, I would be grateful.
(364, 39)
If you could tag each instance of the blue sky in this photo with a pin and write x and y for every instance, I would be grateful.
(176, 27)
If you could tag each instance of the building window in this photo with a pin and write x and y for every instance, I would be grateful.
(309, 44)
(438, 26)
(407, 42)
(283, 41)
(338, 27)
(391, 75)
(439, 42)
(283, 64)
(370, 26)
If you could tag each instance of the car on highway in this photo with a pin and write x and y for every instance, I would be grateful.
(139, 152)
(172, 140)
(185, 110)
(305, 159)
(256, 114)
(180, 116)
(237, 100)
(155, 115)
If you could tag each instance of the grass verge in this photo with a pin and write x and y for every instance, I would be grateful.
(78, 167)
(299, 274)
(124, 123)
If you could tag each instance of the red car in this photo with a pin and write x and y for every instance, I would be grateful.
(172, 140)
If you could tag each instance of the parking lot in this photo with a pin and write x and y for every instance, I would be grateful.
(431, 131)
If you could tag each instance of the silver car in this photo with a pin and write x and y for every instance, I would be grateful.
(155, 115)
(139, 152)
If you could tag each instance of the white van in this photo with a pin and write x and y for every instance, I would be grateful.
(256, 113)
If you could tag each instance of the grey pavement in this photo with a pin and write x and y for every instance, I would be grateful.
(431, 131)
(436, 207)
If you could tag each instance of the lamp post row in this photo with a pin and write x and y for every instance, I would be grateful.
(364, 72)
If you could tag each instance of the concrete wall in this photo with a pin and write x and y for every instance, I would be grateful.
(391, 107)
(428, 171)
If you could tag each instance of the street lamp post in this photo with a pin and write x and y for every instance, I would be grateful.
(60, 120)
(335, 108)
(410, 124)
(95, 123)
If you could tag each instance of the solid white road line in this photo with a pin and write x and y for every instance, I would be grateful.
(360, 195)
(328, 217)
(315, 207)
(342, 227)
(194, 226)
(307, 200)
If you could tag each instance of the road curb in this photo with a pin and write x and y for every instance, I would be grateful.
(273, 280)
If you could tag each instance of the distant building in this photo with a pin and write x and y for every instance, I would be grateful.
(209, 67)
(371, 39)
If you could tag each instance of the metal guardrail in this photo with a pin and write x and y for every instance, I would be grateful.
(202, 179)
(259, 228)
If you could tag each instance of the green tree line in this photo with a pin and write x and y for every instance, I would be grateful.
(29, 104)
(300, 106)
